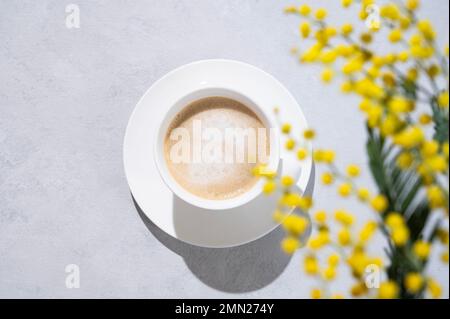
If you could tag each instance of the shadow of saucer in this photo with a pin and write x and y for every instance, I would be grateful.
(236, 269)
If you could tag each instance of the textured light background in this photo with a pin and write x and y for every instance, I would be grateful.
(65, 99)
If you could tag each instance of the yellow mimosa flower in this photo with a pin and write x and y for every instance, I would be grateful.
(320, 217)
(286, 128)
(426, 29)
(434, 289)
(327, 75)
(422, 249)
(316, 293)
(379, 203)
(345, 189)
(344, 237)
(295, 224)
(346, 29)
(290, 144)
(394, 220)
(400, 236)
(327, 178)
(425, 119)
(346, 3)
(309, 134)
(304, 10)
(290, 245)
(302, 153)
(414, 282)
(395, 36)
(412, 4)
(329, 273)
(305, 29)
(405, 160)
(311, 265)
(443, 99)
(363, 194)
(333, 260)
(353, 170)
(344, 217)
(321, 14)
(269, 187)
(388, 290)
(287, 181)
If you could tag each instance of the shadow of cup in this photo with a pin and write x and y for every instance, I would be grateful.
(238, 269)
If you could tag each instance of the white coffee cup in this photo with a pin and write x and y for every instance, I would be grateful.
(288, 167)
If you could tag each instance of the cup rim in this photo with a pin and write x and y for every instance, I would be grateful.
(175, 187)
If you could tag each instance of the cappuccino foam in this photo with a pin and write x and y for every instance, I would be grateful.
(213, 175)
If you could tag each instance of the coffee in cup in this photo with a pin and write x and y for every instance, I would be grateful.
(212, 145)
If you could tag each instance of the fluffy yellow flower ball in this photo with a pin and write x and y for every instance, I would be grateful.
(414, 282)
(358, 289)
(290, 144)
(316, 293)
(436, 196)
(405, 160)
(422, 249)
(394, 220)
(309, 134)
(333, 260)
(327, 75)
(269, 187)
(302, 153)
(290, 245)
(305, 29)
(278, 216)
(287, 181)
(426, 29)
(304, 10)
(311, 265)
(346, 29)
(444, 257)
(388, 290)
(410, 137)
(295, 224)
(344, 217)
(434, 289)
(344, 237)
(429, 148)
(379, 203)
(320, 216)
(321, 14)
(329, 156)
(443, 99)
(353, 170)
(345, 189)
(286, 128)
(329, 273)
(412, 4)
(367, 231)
(346, 3)
(327, 178)
(403, 56)
(425, 119)
(400, 236)
(363, 194)
(395, 35)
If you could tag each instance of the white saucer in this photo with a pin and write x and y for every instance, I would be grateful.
(187, 223)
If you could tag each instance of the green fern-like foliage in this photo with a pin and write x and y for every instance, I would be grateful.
(403, 189)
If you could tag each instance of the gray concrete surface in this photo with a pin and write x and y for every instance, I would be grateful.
(65, 99)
